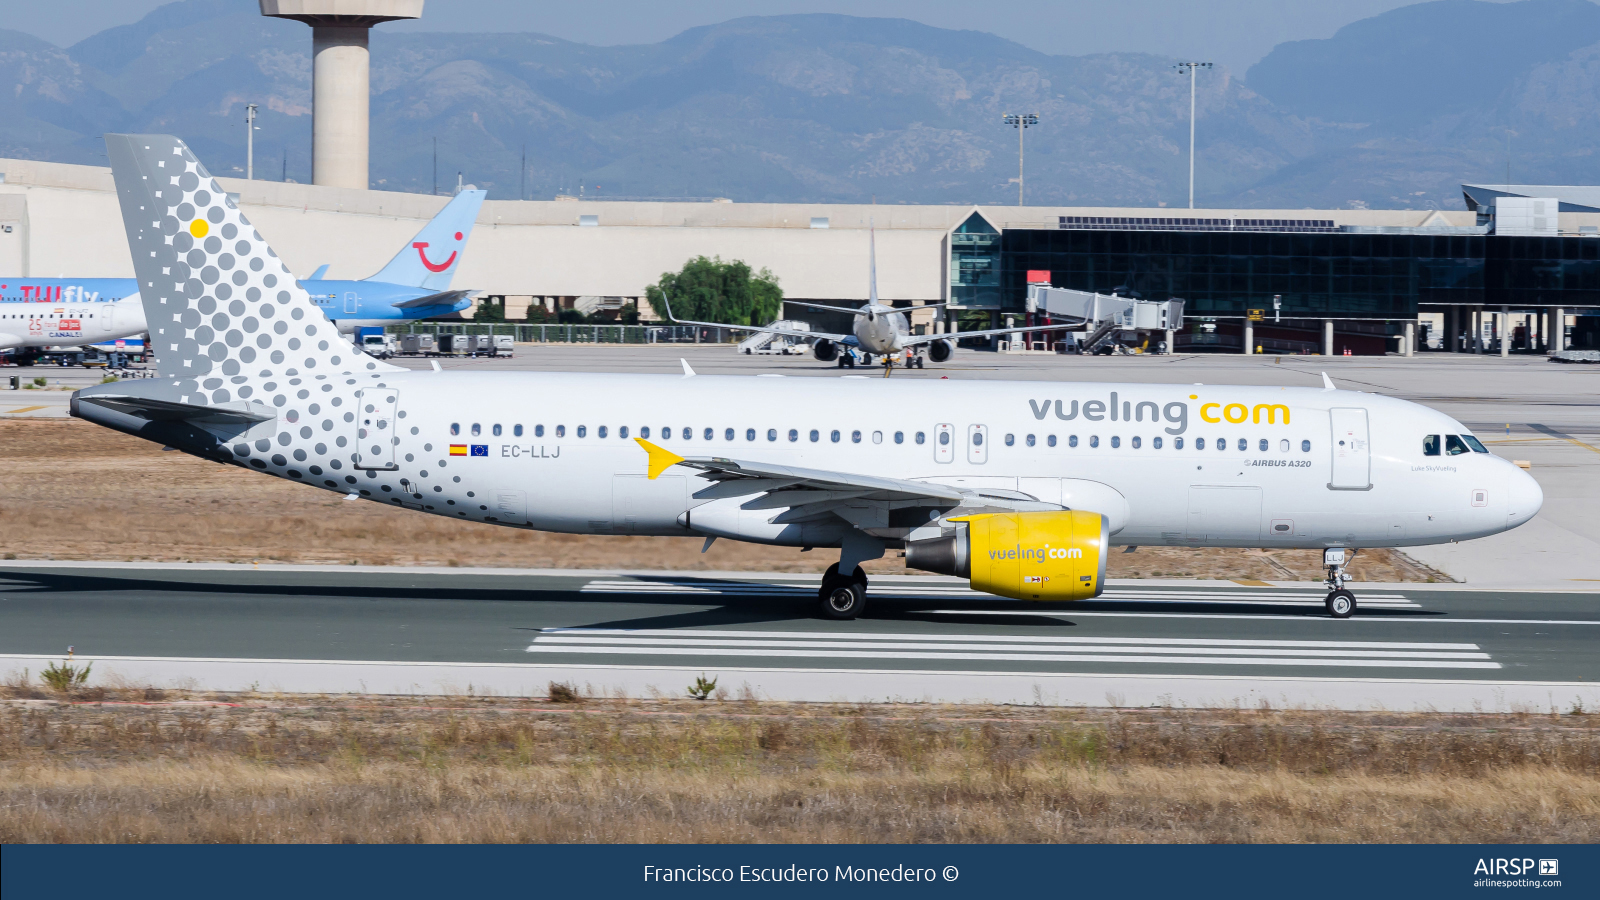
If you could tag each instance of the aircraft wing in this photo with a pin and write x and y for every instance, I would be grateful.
(807, 335)
(442, 298)
(889, 508)
(929, 338)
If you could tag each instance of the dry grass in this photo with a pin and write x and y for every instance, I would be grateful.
(264, 769)
(86, 492)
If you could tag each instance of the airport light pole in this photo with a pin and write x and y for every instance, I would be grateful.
(1020, 123)
(250, 141)
(1192, 67)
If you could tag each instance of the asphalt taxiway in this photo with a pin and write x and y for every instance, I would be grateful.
(389, 630)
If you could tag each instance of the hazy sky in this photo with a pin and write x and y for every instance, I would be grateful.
(1235, 33)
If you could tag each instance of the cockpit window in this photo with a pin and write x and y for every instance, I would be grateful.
(1476, 445)
(1453, 445)
(1430, 445)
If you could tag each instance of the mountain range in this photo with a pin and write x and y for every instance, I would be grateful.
(1393, 111)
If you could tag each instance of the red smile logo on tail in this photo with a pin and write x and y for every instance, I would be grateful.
(422, 254)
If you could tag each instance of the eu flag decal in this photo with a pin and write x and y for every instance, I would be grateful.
(480, 449)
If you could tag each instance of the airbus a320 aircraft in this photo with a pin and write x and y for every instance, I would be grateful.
(1020, 487)
(877, 329)
(39, 313)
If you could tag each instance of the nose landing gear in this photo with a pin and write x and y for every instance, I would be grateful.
(1341, 603)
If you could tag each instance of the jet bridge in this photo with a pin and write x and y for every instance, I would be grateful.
(1105, 317)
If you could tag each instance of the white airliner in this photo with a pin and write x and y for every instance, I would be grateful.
(876, 329)
(1020, 487)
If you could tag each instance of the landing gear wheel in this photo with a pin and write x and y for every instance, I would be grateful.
(1341, 604)
(843, 598)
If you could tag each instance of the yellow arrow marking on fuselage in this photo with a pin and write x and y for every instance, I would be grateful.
(661, 459)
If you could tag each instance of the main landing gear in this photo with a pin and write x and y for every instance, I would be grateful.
(843, 597)
(1341, 603)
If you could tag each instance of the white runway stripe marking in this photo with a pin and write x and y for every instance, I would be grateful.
(1039, 639)
(912, 591)
(1011, 648)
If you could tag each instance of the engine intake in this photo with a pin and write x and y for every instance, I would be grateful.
(825, 351)
(939, 351)
(1023, 555)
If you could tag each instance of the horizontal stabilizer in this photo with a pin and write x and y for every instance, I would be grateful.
(154, 410)
(442, 298)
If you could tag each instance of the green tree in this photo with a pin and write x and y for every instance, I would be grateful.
(710, 290)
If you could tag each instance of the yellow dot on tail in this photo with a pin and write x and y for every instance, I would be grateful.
(198, 228)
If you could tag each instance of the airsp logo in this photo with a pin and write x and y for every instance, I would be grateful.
(1501, 866)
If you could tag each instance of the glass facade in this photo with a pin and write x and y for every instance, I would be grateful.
(1227, 273)
(1543, 271)
(975, 265)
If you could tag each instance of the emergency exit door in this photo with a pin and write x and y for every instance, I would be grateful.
(376, 433)
(1352, 451)
(350, 302)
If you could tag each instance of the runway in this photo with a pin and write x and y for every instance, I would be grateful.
(391, 630)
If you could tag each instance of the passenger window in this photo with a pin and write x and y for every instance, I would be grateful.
(455, 427)
(855, 437)
(794, 435)
(516, 430)
(1244, 444)
(496, 429)
(944, 438)
(921, 438)
(1177, 443)
(1029, 440)
(877, 437)
(688, 434)
(772, 434)
(1476, 445)
(476, 429)
(1263, 445)
(1305, 446)
(538, 431)
(1454, 445)
(1051, 440)
(834, 436)
(1430, 445)
(815, 435)
(1011, 440)
(583, 431)
(899, 437)
(622, 432)
(727, 434)
(1222, 443)
(1136, 443)
(1155, 443)
(1094, 440)
(645, 432)
(598, 432)
(1283, 446)
(1115, 442)
(749, 434)
(708, 433)
(561, 431)
(1199, 443)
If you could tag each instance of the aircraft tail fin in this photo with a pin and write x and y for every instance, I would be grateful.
(429, 260)
(220, 305)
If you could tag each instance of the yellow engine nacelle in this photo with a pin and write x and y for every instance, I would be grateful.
(1022, 555)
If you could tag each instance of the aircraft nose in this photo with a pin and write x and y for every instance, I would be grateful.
(1525, 495)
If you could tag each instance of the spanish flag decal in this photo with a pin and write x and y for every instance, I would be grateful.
(458, 449)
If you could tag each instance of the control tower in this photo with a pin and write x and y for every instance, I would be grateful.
(339, 79)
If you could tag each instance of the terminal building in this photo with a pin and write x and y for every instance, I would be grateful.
(1518, 267)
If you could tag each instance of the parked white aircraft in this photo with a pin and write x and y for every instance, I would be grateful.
(1020, 487)
(877, 329)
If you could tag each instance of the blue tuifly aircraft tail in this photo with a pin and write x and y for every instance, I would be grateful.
(429, 260)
